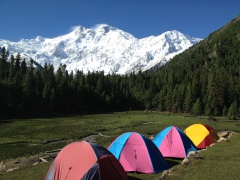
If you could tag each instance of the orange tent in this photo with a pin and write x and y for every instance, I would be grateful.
(201, 135)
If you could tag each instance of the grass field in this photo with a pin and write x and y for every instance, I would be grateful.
(20, 138)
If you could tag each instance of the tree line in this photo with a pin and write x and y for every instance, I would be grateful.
(204, 80)
(27, 91)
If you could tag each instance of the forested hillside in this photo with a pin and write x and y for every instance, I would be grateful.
(201, 80)
(205, 78)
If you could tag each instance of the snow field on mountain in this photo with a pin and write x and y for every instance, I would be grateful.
(103, 48)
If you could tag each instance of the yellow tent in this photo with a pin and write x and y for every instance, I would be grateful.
(201, 135)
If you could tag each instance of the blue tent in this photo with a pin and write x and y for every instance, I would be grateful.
(173, 142)
(137, 153)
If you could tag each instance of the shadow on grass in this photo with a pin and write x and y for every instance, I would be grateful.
(173, 162)
(133, 178)
(136, 175)
(141, 176)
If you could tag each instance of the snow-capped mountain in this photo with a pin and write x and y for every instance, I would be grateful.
(104, 48)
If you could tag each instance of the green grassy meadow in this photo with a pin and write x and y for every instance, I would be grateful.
(25, 137)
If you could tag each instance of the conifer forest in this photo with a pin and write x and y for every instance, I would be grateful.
(203, 80)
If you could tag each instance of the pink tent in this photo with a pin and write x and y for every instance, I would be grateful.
(172, 142)
(137, 153)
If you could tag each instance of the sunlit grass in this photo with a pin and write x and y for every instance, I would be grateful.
(217, 162)
(63, 129)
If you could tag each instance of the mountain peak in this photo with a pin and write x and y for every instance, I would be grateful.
(177, 35)
(103, 48)
(103, 28)
(39, 38)
(78, 30)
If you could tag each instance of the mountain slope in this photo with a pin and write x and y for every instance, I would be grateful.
(205, 78)
(218, 50)
(103, 48)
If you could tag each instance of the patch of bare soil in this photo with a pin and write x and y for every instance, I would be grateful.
(13, 164)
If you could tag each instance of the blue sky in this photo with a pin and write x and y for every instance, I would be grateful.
(26, 19)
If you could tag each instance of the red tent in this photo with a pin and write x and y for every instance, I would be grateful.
(84, 160)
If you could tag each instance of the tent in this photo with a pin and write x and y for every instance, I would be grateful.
(84, 160)
(172, 142)
(137, 153)
(201, 135)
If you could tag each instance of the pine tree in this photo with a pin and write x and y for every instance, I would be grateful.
(224, 113)
(197, 108)
(23, 67)
(231, 112)
(46, 96)
(12, 69)
(39, 90)
(52, 99)
(3, 63)
(188, 99)
(17, 62)
(29, 91)
(212, 95)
